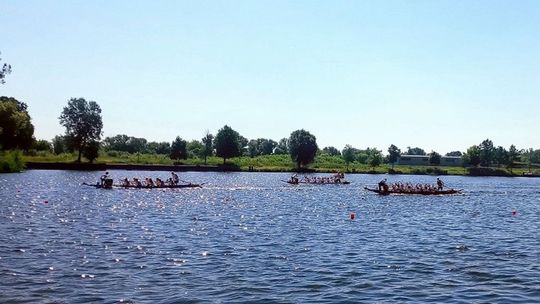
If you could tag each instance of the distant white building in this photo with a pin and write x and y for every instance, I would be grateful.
(423, 160)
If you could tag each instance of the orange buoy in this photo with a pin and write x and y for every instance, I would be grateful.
(353, 215)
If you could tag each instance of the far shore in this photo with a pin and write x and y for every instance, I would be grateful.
(234, 168)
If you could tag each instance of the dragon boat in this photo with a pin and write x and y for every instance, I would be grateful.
(415, 192)
(111, 186)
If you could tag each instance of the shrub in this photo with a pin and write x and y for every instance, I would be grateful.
(11, 161)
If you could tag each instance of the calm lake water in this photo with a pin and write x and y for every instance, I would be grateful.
(248, 237)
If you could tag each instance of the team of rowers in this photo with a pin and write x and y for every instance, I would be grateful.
(409, 188)
(148, 182)
(334, 179)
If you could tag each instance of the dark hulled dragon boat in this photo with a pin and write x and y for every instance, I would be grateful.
(341, 182)
(110, 185)
(415, 192)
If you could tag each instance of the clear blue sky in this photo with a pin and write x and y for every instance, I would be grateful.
(440, 75)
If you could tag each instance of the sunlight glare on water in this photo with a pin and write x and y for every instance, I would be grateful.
(249, 237)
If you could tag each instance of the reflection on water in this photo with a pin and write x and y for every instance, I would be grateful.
(250, 237)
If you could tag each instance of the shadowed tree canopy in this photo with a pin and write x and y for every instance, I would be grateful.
(375, 157)
(61, 145)
(332, 151)
(302, 147)
(261, 146)
(91, 151)
(415, 151)
(434, 158)
(16, 129)
(349, 154)
(179, 149)
(42, 145)
(82, 121)
(472, 156)
(4, 70)
(393, 154)
(454, 153)
(228, 143)
(281, 147)
(163, 147)
(207, 141)
(195, 148)
(125, 143)
(487, 152)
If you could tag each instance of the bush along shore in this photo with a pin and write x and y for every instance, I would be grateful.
(266, 163)
(11, 161)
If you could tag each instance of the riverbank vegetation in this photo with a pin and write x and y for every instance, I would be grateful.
(298, 152)
(11, 161)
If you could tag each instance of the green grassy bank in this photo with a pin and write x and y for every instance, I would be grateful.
(277, 163)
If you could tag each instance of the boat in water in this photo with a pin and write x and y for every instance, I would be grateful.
(414, 192)
(111, 186)
(336, 179)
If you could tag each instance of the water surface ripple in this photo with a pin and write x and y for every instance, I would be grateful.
(248, 237)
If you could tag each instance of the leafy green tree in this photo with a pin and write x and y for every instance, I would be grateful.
(513, 156)
(116, 143)
(136, 145)
(454, 153)
(282, 147)
(253, 148)
(487, 152)
(375, 158)
(125, 143)
(266, 146)
(302, 147)
(534, 156)
(348, 154)
(415, 151)
(195, 149)
(59, 145)
(16, 129)
(331, 151)
(91, 151)
(178, 149)
(83, 123)
(434, 158)
(472, 156)
(42, 145)
(162, 148)
(393, 154)
(5, 70)
(207, 141)
(228, 143)
(500, 156)
(243, 142)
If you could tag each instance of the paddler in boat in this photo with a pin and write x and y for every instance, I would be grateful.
(440, 184)
(125, 182)
(383, 187)
(104, 177)
(175, 178)
(294, 179)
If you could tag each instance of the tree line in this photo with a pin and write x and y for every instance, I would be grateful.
(83, 131)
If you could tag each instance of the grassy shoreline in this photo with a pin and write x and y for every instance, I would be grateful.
(267, 163)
